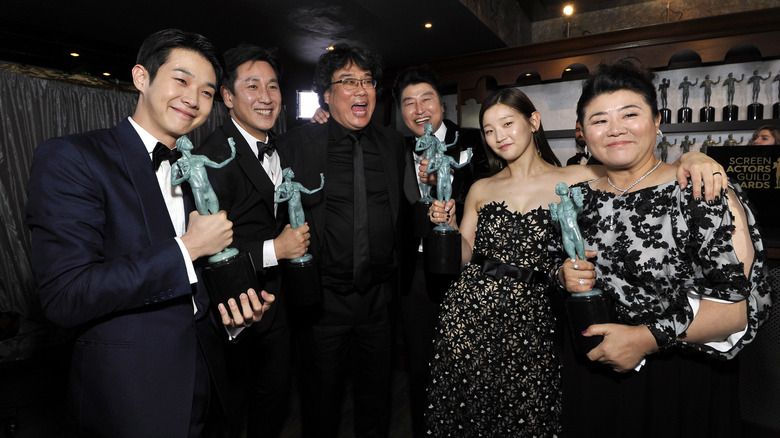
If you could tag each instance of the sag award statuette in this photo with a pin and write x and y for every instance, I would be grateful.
(755, 109)
(301, 274)
(666, 113)
(685, 114)
(707, 114)
(443, 253)
(229, 272)
(731, 111)
(776, 105)
(586, 308)
(427, 144)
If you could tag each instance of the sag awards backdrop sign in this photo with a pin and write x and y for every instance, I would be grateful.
(757, 170)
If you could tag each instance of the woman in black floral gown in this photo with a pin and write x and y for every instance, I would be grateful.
(687, 280)
(495, 371)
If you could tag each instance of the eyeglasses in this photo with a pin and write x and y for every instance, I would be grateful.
(350, 84)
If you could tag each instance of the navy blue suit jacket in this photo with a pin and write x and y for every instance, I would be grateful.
(106, 262)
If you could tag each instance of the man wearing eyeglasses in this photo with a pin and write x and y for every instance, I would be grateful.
(354, 238)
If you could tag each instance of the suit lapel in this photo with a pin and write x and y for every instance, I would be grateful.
(411, 188)
(315, 144)
(139, 170)
(249, 164)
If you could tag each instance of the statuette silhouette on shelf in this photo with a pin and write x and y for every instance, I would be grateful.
(663, 88)
(707, 113)
(663, 147)
(685, 114)
(731, 142)
(709, 142)
(756, 109)
(731, 111)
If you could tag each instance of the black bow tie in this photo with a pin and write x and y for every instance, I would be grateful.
(162, 153)
(264, 149)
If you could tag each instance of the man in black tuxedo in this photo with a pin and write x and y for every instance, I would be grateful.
(245, 188)
(355, 241)
(113, 252)
(416, 91)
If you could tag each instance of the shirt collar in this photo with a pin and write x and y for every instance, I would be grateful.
(148, 139)
(250, 139)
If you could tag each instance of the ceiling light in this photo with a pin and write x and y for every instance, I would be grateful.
(568, 10)
(428, 25)
(74, 54)
(106, 74)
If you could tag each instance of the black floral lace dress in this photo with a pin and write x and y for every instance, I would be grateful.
(658, 249)
(495, 372)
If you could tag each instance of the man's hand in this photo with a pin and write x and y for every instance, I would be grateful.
(207, 234)
(292, 242)
(702, 169)
(320, 116)
(252, 309)
(425, 177)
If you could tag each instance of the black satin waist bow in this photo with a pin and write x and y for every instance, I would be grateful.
(498, 270)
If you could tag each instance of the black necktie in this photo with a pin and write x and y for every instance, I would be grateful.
(162, 153)
(264, 149)
(362, 262)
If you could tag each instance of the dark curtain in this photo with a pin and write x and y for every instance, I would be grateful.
(36, 105)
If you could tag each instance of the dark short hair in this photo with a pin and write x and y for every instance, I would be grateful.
(237, 56)
(412, 76)
(157, 47)
(622, 75)
(517, 100)
(341, 56)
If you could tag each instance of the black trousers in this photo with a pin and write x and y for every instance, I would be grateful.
(419, 316)
(259, 366)
(347, 334)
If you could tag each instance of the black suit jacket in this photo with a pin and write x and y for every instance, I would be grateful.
(246, 193)
(106, 262)
(306, 148)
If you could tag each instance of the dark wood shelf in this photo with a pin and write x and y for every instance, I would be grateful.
(681, 128)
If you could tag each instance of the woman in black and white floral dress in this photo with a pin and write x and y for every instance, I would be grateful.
(687, 280)
(495, 370)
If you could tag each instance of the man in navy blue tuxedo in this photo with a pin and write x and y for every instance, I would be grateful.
(245, 188)
(113, 252)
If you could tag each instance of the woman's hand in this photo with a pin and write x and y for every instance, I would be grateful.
(702, 169)
(440, 212)
(579, 275)
(623, 347)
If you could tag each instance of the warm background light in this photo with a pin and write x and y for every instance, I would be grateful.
(568, 10)
(428, 25)
(74, 54)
